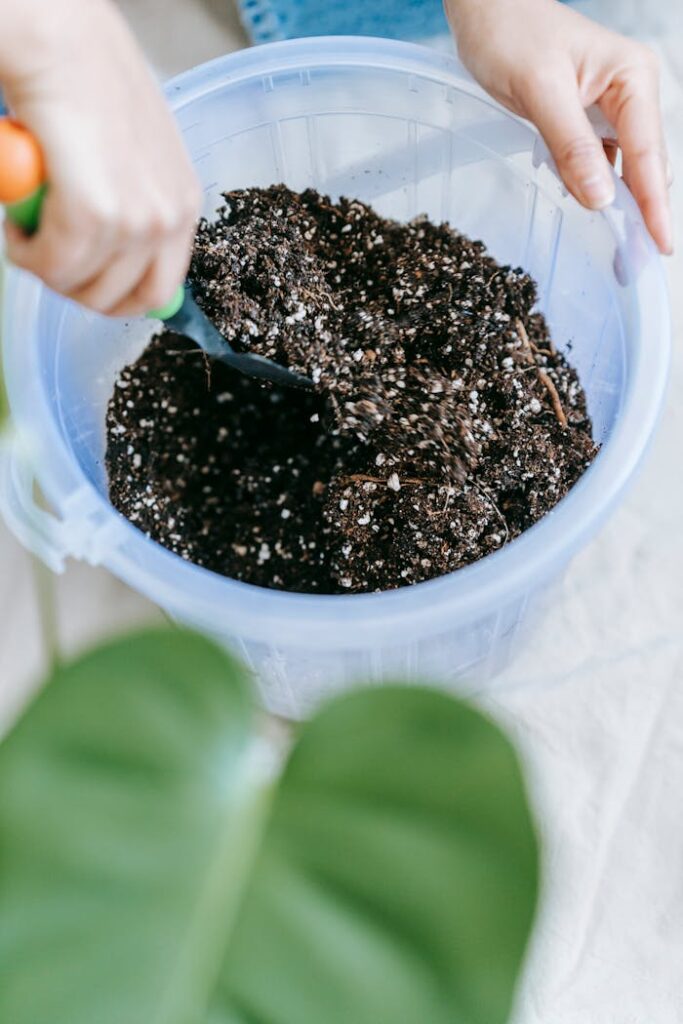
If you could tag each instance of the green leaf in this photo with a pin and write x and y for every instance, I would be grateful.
(124, 823)
(149, 874)
(397, 879)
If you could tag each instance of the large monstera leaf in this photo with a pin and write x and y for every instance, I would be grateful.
(156, 869)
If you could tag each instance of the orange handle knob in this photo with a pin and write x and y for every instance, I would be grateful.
(22, 168)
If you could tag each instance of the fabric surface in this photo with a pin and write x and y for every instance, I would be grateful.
(596, 702)
(268, 20)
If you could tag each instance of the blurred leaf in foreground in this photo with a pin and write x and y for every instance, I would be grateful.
(153, 870)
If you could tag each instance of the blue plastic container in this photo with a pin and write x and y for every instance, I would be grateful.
(407, 130)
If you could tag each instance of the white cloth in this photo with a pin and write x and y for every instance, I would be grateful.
(597, 707)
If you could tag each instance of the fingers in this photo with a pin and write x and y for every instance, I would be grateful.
(553, 103)
(551, 99)
(64, 253)
(108, 289)
(633, 106)
(136, 282)
(117, 262)
(160, 280)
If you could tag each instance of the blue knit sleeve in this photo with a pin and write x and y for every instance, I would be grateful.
(267, 20)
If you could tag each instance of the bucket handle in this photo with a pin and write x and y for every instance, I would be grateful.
(38, 530)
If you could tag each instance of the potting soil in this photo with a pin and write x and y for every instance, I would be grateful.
(444, 422)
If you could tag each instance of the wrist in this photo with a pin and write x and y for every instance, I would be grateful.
(472, 20)
(37, 33)
(460, 8)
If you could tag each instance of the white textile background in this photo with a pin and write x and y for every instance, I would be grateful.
(596, 704)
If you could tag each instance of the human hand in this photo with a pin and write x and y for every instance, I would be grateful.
(119, 217)
(548, 64)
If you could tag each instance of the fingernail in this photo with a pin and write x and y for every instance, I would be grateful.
(597, 191)
(669, 173)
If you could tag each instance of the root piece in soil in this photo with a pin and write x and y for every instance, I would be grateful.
(545, 380)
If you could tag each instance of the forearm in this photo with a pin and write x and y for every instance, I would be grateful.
(41, 37)
(27, 28)
(461, 13)
(480, 26)
(456, 10)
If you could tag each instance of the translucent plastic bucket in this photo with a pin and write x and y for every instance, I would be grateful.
(407, 130)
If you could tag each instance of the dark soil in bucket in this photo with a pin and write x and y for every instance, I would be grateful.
(443, 425)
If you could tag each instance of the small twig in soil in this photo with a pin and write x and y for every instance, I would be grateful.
(547, 353)
(441, 511)
(524, 338)
(315, 299)
(544, 378)
(483, 491)
(363, 478)
(549, 385)
(207, 370)
(186, 352)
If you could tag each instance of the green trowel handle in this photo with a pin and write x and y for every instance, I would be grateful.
(25, 213)
(171, 308)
